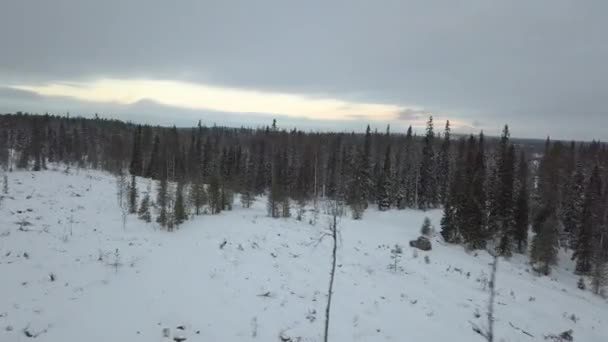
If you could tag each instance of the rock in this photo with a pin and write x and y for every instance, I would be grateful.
(421, 243)
(567, 335)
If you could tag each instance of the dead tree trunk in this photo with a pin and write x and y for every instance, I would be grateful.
(490, 335)
(333, 226)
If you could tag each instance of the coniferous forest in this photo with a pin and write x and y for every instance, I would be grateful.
(497, 193)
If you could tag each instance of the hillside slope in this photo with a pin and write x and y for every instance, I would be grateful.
(71, 272)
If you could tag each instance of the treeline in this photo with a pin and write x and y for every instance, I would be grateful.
(491, 190)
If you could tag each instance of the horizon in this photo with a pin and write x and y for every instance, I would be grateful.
(438, 129)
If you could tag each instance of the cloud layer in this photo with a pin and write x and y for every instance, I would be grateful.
(537, 65)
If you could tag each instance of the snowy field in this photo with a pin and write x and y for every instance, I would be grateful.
(70, 271)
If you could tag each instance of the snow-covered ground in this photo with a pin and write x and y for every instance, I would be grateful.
(69, 271)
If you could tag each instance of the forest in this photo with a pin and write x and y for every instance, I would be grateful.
(496, 193)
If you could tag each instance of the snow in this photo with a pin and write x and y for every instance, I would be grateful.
(269, 280)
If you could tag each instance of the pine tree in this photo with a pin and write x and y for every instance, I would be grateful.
(386, 183)
(197, 195)
(360, 183)
(501, 211)
(248, 182)
(154, 164)
(275, 196)
(144, 209)
(545, 245)
(591, 221)
(162, 200)
(179, 210)
(36, 145)
(444, 165)
(471, 211)
(521, 213)
(573, 207)
(449, 229)
(135, 168)
(133, 195)
(427, 179)
(408, 188)
(215, 196)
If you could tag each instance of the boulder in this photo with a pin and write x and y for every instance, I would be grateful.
(421, 243)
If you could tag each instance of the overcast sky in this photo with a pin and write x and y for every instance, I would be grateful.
(538, 65)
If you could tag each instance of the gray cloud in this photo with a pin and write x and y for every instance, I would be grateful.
(538, 65)
(409, 114)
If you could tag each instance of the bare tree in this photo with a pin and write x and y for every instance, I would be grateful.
(490, 334)
(335, 209)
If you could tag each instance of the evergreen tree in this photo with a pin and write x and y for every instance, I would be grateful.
(144, 209)
(589, 231)
(472, 212)
(276, 195)
(386, 183)
(361, 182)
(154, 164)
(408, 188)
(36, 145)
(197, 195)
(179, 210)
(215, 196)
(573, 207)
(133, 195)
(274, 198)
(162, 200)
(449, 228)
(502, 211)
(521, 213)
(427, 179)
(135, 168)
(545, 245)
(444, 165)
(248, 182)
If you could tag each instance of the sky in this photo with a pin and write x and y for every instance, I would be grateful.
(538, 66)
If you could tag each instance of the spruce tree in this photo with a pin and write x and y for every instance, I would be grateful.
(179, 210)
(473, 212)
(248, 182)
(501, 209)
(427, 179)
(214, 195)
(162, 200)
(386, 183)
(521, 213)
(587, 247)
(197, 194)
(573, 207)
(365, 167)
(154, 164)
(444, 165)
(449, 228)
(135, 168)
(360, 182)
(144, 209)
(133, 195)
(545, 245)
(276, 194)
